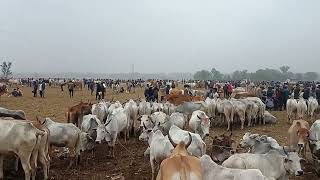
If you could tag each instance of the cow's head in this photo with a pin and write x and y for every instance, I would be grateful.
(292, 164)
(180, 148)
(303, 135)
(145, 122)
(249, 140)
(103, 133)
(204, 122)
(86, 142)
(145, 134)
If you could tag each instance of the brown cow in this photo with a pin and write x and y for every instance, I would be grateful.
(177, 99)
(298, 135)
(180, 165)
(222, 147)
(76, 113)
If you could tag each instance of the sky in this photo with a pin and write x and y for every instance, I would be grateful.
(108, 36)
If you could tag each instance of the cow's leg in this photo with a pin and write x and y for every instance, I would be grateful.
(16, 164)
(152, 168)
(242, 122)
(1, 166)
(25, 162)
(44, 163)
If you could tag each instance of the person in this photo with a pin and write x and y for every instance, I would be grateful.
(150, 95)
(16, 93)
(296, 92)
(103, 89)
(229, 89)
(318, 94)
(225, 90)
(155, 93)
(306, 93)
(91, 87)
(71, 86)
(146, 90)
(35, 87)
(285, 94)
(210, 93)
(168, 89)
(98, 91)
(43, 88)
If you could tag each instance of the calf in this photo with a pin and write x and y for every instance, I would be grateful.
(131, 110)
(180, 165)
(271, 164)
(211, 170)
(200, 123)
(117, 122)
(76, 113)
(298, 135)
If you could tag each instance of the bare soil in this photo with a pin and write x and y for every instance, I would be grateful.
(129, 160)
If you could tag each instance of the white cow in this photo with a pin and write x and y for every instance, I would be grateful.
(117, 122)
(271, 164)
(197, 147)
(200, 123)
(20, 138)
(89, 125)
(169, 108)
(301, 108)
(144, 108)
(312, 106)
(211, 170)
(211, 107)
(131, 110)
(157, 107)
(291, 108)
(261, 105)
(159, 147)
(114, 106)
(226, 111)
(249, 110)
(240, 111)
(100, 110)
(67, 135)
(315, 138)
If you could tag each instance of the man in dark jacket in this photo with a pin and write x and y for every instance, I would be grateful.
(98, 91)
(306, 93)
(318, 94)
(296, 92)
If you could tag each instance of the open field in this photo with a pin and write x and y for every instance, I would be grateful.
(129, 161)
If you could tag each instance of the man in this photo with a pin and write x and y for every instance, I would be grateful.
(35, 87)
(318, 94)
(146, 89)
(43, 88)
(98, 91)
(156, 93)
(296, 92)
(71, 86)
(285, 95)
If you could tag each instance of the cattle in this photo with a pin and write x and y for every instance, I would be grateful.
(298, 135)
(261, 144)
(114, 106)
(301, 108)
(101, 110)
(226, 111)
(117, 122)
(312, 106)
(188, 108)
(271, 164)
(222, 147)
(261, 106)
(176, 91)
(197, 147)
(159, 147)
(314, 139)
(144, 108)
(240, 111)
(67, 135)
(179, 99)
(211, 170)
(249, 105)
(131, 110)
(169, 108)
(157, 107)
(211, 107)
(291, 108)
(269, 118)
(15, 114)
(180, 165)
(76, 113)
(200, 123)
(89, 125)
(20, 138)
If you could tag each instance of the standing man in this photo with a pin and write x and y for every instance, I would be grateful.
(71, 86)
(43, 88)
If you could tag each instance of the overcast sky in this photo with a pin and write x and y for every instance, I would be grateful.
(159, 35)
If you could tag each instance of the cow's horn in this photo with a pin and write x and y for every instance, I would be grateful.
(171, 141)
(144, 126)
(190, 140)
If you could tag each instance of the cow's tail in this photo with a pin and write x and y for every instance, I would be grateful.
(35, 152)
(68, 116)
(78, 147)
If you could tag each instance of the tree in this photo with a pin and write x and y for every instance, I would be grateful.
(310, 76)
(217, 75)
(202, 75)
(284, 69)
(6, 69)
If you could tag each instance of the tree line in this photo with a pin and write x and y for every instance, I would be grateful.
(266, 74)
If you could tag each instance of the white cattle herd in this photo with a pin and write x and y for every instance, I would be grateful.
(175, 137)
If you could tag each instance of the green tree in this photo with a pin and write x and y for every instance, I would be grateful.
(310, 76)
(202, 75)
(6, 69)
(217, 75)
(284, 69)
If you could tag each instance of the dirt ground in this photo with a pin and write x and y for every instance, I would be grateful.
(129, 160)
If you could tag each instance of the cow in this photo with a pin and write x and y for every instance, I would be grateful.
(177, 99)
(114, 106)
(249, 110)
(177, 119)
(117, 122)
(131, 110)
(67, 135)
(271, 164)
(222, 147)
(291, 108)
(269, 118)
(211, 170)
(15, 114)
(314, 139)
(144, 108)
(240, 111)
(159, 146)
(89, 125)
(298, 136)
(20, 138)
(226, 111)
(262, 108)
(301, 108)
(180, 165)
(169, 108)
(101, 110)
(188, 108)
(76, 113)
(157, 107)
(312, 106)
(197, 147)
(211, 107)
(200, 123)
